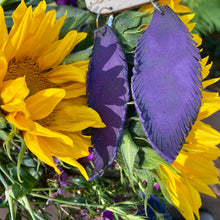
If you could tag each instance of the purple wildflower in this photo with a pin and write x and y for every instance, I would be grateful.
(107, 215)
(90, 156)
(2, 197)
(63, 179)
(157, 186)
(57, 161)
(118, 199)
(66, 2)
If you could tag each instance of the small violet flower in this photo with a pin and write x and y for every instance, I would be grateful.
(65, 2)
(2, 197)
(63, 179)
(157, 186)
(107, 215)
(90, 156)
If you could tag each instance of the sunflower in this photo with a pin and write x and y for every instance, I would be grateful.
(193, 170)
(43, 98)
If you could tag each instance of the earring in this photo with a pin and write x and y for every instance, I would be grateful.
(108, 94)
(166, 82)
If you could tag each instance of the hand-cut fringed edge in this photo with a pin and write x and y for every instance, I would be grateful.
(96, 173)
(190, 113)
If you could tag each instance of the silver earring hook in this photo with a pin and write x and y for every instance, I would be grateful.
(156, 6)
(97, 18)
(110, 20)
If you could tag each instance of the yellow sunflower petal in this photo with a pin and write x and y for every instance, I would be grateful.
(26, 48)
(83, 65)
(16, 39)
(186, 19)
(210, 104)
(197, 39)
(19, 12)
(47, 33)
(202, 187)
(43, 103)
(146, 8)
(59, 149)
(3, 67)
(178, 8)
(17, 105)
(205, 68)
(195, 201)
(176, 185)
(38, 146)
(209, 152)
(75, 90)
(66, 73)
(20, 121)
(4, 30)
(45, 132)
(209, 95)
(202, 133)
(81, 140)
(174, 4)
(76, 117)
(74, 163)
(189, 164)
(14, 89)
(55, 54)
(209, 82)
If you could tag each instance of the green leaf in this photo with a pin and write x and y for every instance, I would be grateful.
(81, 182)
(128, 27)
(73, 22)
(21, 189)
(137, 132)
(128, 150)
(28, 161)
(123, 212)
(78, 56)
(150, 159)
(81, 3)
(5, 3)
(135, 128)
(3, 122)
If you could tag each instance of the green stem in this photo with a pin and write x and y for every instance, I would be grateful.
(3, 181)
(28, 207)
(52, 188)
(64, 201)
(6, 173)
(10, 199)
(20, 156)
(11, 207)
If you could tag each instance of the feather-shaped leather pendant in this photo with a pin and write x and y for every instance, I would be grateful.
(166, 81)
(108, 94)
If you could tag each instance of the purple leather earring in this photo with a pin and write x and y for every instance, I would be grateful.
(166, 82)
(108, 94)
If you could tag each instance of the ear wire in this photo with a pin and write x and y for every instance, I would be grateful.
(156, 6)
(97, 18)
(110, 20)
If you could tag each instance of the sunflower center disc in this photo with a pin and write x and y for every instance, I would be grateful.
(35, 79)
